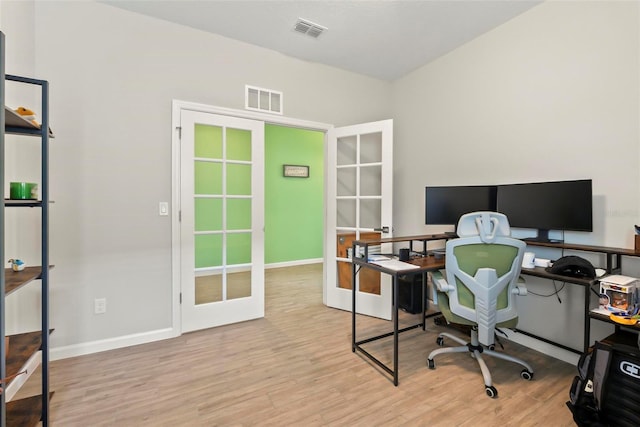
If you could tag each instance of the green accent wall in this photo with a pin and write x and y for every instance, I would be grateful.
(294, 207)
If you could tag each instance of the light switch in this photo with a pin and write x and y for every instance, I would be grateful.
(164, 209)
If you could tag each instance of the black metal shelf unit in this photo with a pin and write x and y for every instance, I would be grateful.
(41, 405)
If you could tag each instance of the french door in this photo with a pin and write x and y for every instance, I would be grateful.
(221, 219)
(359, 207)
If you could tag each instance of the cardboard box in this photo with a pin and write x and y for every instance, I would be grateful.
(620, 294)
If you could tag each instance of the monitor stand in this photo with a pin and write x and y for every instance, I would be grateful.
(543, 237)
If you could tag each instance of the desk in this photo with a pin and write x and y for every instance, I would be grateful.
(613, 265)
(425, 264)
(586, 285)
(612, 254)
(430, 263)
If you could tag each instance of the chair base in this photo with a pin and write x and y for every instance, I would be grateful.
(477, 350)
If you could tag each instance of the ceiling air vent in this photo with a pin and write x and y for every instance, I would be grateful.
(309, 28)
(266, 100)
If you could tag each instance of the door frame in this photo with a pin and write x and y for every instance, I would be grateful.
(176, 107)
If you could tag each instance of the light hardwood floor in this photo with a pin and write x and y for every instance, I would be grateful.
(295, 367)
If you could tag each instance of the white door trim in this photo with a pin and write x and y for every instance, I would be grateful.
(176, 108)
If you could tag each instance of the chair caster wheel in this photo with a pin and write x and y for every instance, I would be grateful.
(431, 364)
(440, 341)
(491, 391)
(525, 374)
(492, 347)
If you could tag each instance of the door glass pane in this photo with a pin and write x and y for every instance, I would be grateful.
(371, 181)
(239, 285)
(208, 141)
(238, 179)
(208, 214)
(370, 216)
(368, 279)
(347, 150)
(238, 248)
(238, 144)
(208, 178)
(344, 275)
(346, 182)
(346, 213)
(371, 148)
(208, 288)
(344, 246)
(208, 248)
(238, 214)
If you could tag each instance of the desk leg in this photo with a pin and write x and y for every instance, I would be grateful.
(587, 319)
(395, 329)
(422, 301)
(353, 307)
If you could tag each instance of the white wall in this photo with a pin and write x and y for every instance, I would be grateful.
(552, 94)
(113, 75)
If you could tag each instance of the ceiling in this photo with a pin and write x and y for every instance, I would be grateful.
(384, 39)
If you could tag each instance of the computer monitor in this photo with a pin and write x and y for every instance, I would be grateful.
(557, 205)
(445, 205)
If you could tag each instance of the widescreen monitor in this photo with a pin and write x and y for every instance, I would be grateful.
(445, 205)
(557, 205)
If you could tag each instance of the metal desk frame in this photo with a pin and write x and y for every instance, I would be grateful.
(429, 263)
(426, 264)
(613, 265)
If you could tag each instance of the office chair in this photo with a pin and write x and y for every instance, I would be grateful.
(479, 287)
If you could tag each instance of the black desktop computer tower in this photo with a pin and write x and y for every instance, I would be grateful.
(409, 292)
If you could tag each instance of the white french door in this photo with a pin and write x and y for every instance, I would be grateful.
(221, 219)
(359, 207)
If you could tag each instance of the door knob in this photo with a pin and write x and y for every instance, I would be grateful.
(384, 229)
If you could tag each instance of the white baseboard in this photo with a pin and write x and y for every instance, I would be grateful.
(90, 347)
(543, 347)
(294, 263)
(82, 349)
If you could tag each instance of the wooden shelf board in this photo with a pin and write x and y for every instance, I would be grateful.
(23, 203)
(606, 318)
(21, 348)
(16, 124)
(16, 279)
(587, 248)
(25, 412)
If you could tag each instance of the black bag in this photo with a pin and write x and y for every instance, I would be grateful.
(573, 266)
(606, 391)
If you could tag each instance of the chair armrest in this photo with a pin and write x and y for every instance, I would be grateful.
(440, 283)
(520, 288)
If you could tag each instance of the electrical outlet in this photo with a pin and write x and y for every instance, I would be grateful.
(100, 305)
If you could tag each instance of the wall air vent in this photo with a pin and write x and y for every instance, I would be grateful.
(309, 28)
(265, 100)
